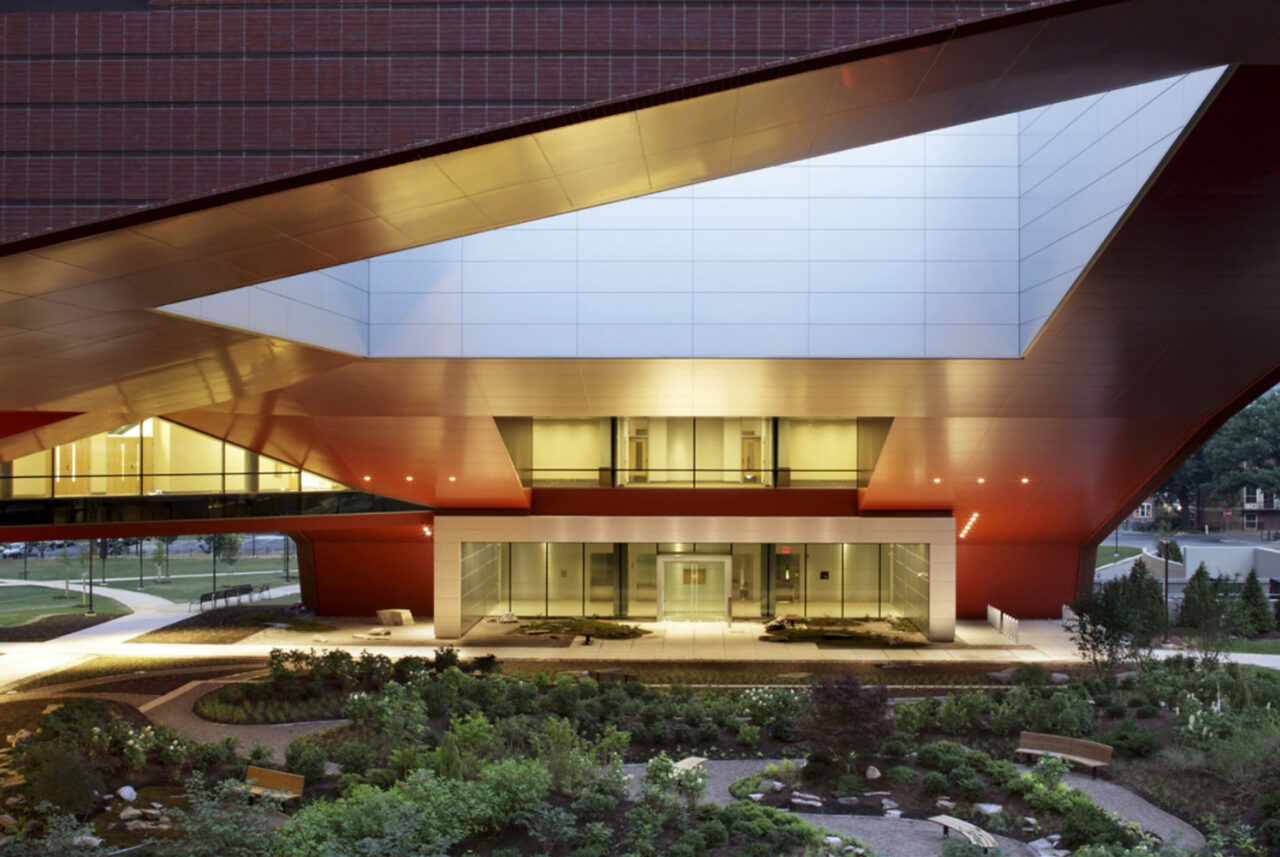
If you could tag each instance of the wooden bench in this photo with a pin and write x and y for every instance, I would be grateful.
(1091, 754)
(688, 763)
(976, 835)
(206, 598)
(275, 784)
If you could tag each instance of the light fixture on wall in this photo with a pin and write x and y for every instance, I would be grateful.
(969, 525)
(426, 531)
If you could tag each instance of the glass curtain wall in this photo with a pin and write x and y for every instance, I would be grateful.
(680, 452)
(481, 579)
(851, 581)
(818, 453)
(152, 457)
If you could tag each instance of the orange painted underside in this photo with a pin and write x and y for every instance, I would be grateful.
(356, 572)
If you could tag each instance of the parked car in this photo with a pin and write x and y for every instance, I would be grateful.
(12, 552)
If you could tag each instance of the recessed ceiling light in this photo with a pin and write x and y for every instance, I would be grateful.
(408, 479)
(1025, 480)
(453, 479)
(367, 478)
(426, 531)
(981, 479)
(937, 479)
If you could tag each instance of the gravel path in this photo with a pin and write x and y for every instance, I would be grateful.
(1131, 807)
(898, 836)
(175, 712)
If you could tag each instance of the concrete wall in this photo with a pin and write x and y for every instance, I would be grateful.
(452, 531)
(1233, 561)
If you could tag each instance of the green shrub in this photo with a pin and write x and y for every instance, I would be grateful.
(749, 735)
(58, 774)
(1115, 710)
(304, 757)
(960, 711)
(941, 755)
(347, 782)
(973, 789)
(1132, 741)
(1271, 831)
(933, 783)
(850, 784)
(895, 748)
(355, 757)
(1030, 675)
(901, 775)
(1086, 823)
(914, 717)
(600, 797)
(1146, 712)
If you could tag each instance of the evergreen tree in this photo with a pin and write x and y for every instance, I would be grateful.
(1201, 604)
(1257, 617)
(1144, 596)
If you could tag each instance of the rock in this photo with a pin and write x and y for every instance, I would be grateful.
(379, 632)
(875, 794)
(988, 808)
(8, 823)
(1059, 678)
(888, 804)
(808, 804)
(847, 800)
(833, 840)
(396, 616)
(1003, 676)
(5, 840)
(873, 773)
(13, 800)
(127, 794)
(152, 814)
(893, 813)
(20, 735)
(155, 805)
(319, 639)
(1029, 824)
(1054, 838)
(1041, 846)
(806, 796)
(51, 707)
(774, 785)
(756, 797)
(943, 803)
(508, 619)
(130, 814)
(87, 841)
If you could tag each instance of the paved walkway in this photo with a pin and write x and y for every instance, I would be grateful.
(898, 836)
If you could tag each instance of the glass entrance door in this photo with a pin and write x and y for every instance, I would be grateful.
(694, 587)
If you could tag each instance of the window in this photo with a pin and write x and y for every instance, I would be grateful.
(1144, 511)
(1251, 520)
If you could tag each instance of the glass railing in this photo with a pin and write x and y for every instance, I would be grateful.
(607, 477)
(292, 480)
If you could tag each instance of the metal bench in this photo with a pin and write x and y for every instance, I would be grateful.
(275, 784)
(976, 835)
(1091, 754)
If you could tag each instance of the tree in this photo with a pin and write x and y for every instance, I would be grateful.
(29, 548)
(1200, 601)
(846, 717)
(1119, 621)
(1182, 489)
(1174, 550)
(1256, 617)
(223, 546)
(1245, 452)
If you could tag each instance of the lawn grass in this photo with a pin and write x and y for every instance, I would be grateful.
(1107, 554)
(22, 604)
(188, 577)
(1270, 646)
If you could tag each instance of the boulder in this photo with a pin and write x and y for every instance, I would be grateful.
(774, 785)
(8, 823)
(888, 804)
(1003, 676)
(988, 808)
(20, 735)
(833, 840)
(130, 814)
(873, 773)
(893, 813)
(87, 841)
(755, 797)
(944, 803)
(395, 616)
(847, 800)
(1059, 678)
(127, 794)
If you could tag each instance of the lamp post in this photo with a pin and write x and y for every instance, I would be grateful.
(1165, 544)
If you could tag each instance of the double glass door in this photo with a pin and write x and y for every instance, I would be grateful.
(694, 587)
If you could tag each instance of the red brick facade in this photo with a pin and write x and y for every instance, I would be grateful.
(106, 112)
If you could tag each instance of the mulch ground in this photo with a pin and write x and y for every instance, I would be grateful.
(784, 672)
(49, 627)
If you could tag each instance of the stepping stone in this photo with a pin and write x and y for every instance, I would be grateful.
(888, 804)
(811, 804)
(806, 796)
(893, 813)
(847, 800)
(988, 808)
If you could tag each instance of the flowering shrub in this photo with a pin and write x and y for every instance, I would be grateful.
(118, 738)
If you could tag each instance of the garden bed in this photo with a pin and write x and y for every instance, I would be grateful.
(845, 633)
(231, 625)
(50, 627)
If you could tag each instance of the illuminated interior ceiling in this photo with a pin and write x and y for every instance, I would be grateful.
(1086, 415)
